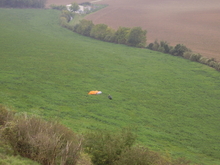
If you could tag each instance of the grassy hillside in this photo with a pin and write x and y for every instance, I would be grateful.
(48, 70)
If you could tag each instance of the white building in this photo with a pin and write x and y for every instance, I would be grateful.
(82, 9)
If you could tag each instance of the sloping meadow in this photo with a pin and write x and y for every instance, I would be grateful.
(172, 103)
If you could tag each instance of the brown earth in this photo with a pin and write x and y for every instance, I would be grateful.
(194, 23)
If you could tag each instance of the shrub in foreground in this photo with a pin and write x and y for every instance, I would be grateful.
(5, 115)
(49, 142)
(140, 156)
(46, 142)
(106, 147)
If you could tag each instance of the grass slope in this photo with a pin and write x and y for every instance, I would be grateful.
(48, 70)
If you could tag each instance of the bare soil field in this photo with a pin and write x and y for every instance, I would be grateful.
(194, 23)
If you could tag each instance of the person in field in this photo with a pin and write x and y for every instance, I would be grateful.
(110, 97)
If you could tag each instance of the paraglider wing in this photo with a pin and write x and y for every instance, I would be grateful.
(94, 92)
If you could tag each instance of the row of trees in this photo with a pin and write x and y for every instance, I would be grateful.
(136, 37)
(129, 36)
(164, 47)
(182, 51)
(49, 142)
(23, 3)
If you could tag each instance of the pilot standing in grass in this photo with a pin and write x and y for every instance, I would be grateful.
(110, 97)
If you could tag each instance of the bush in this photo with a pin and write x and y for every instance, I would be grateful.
(137, 37)
(121, 35)
(179, 50)
(155, 46)
(161, 49)
(187, 55)
(203, 60)
(67, 14)
(150, 46)
(212, 64)
(195, 57)
(163, 46)
(140, 156)
(105, 147)
(5, 115)
(110, 35)
(84, 27)
(217, 66)
(99, 31)
(46, 142)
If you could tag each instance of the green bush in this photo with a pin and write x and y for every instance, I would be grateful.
(163, 46)
(121, 35)
(187, 55)
(74, 7)
(106, 147)
(155, 46)
(217, 66)
(84, 27)
(110, 35)
(179, 50)
(161, 49)
(204, 60)
(99, 31)
(5, 115)
(195, 57)
(136, 37)
(140, 156)
(150, 46)
(46, 142)
(67, 14)
(212, 64)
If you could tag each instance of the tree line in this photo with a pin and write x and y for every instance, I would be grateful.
(184, 52)
(134, 37)
(49, 142)
(23, 3)
(128, 36)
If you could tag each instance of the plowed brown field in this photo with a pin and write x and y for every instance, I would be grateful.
(194, 23)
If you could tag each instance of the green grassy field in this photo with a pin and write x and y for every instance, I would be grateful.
(48, 70)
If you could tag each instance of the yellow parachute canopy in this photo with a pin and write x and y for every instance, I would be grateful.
(94, 92)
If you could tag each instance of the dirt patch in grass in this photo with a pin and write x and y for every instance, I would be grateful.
(194, 23)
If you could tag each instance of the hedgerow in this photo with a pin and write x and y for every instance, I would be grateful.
(182, 51)
(49, 142)
(132, 37)
(46, 142)
(129, 36)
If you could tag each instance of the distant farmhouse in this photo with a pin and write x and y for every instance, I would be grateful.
(83, 8)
